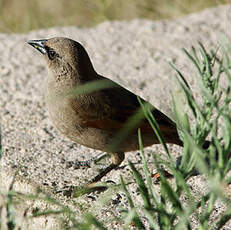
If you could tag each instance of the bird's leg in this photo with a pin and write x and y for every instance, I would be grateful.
(78, 164)
(117, 159)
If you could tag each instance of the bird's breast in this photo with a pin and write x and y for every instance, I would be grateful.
(69, 122)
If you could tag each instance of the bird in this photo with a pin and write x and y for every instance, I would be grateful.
(96, 118)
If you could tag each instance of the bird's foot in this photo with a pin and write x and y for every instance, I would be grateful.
(84, 164)
(77, 191)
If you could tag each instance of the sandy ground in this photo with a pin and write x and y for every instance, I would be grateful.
(134, 54)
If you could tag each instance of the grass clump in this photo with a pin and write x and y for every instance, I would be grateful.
(211, 120)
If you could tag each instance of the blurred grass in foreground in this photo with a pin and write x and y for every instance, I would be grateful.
(24, 15)
(176, 204)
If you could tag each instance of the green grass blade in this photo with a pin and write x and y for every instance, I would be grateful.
(153, 194)
(136, 219)
(142, 187)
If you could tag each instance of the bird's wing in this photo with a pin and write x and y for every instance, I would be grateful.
(110, 109)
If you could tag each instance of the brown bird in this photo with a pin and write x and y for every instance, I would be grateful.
(94, 118)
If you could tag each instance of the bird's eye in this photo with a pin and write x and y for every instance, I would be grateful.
(51, 54)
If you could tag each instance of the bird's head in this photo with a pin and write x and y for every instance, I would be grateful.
(66, 58)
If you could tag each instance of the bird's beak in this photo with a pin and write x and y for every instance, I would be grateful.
(39, 45)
